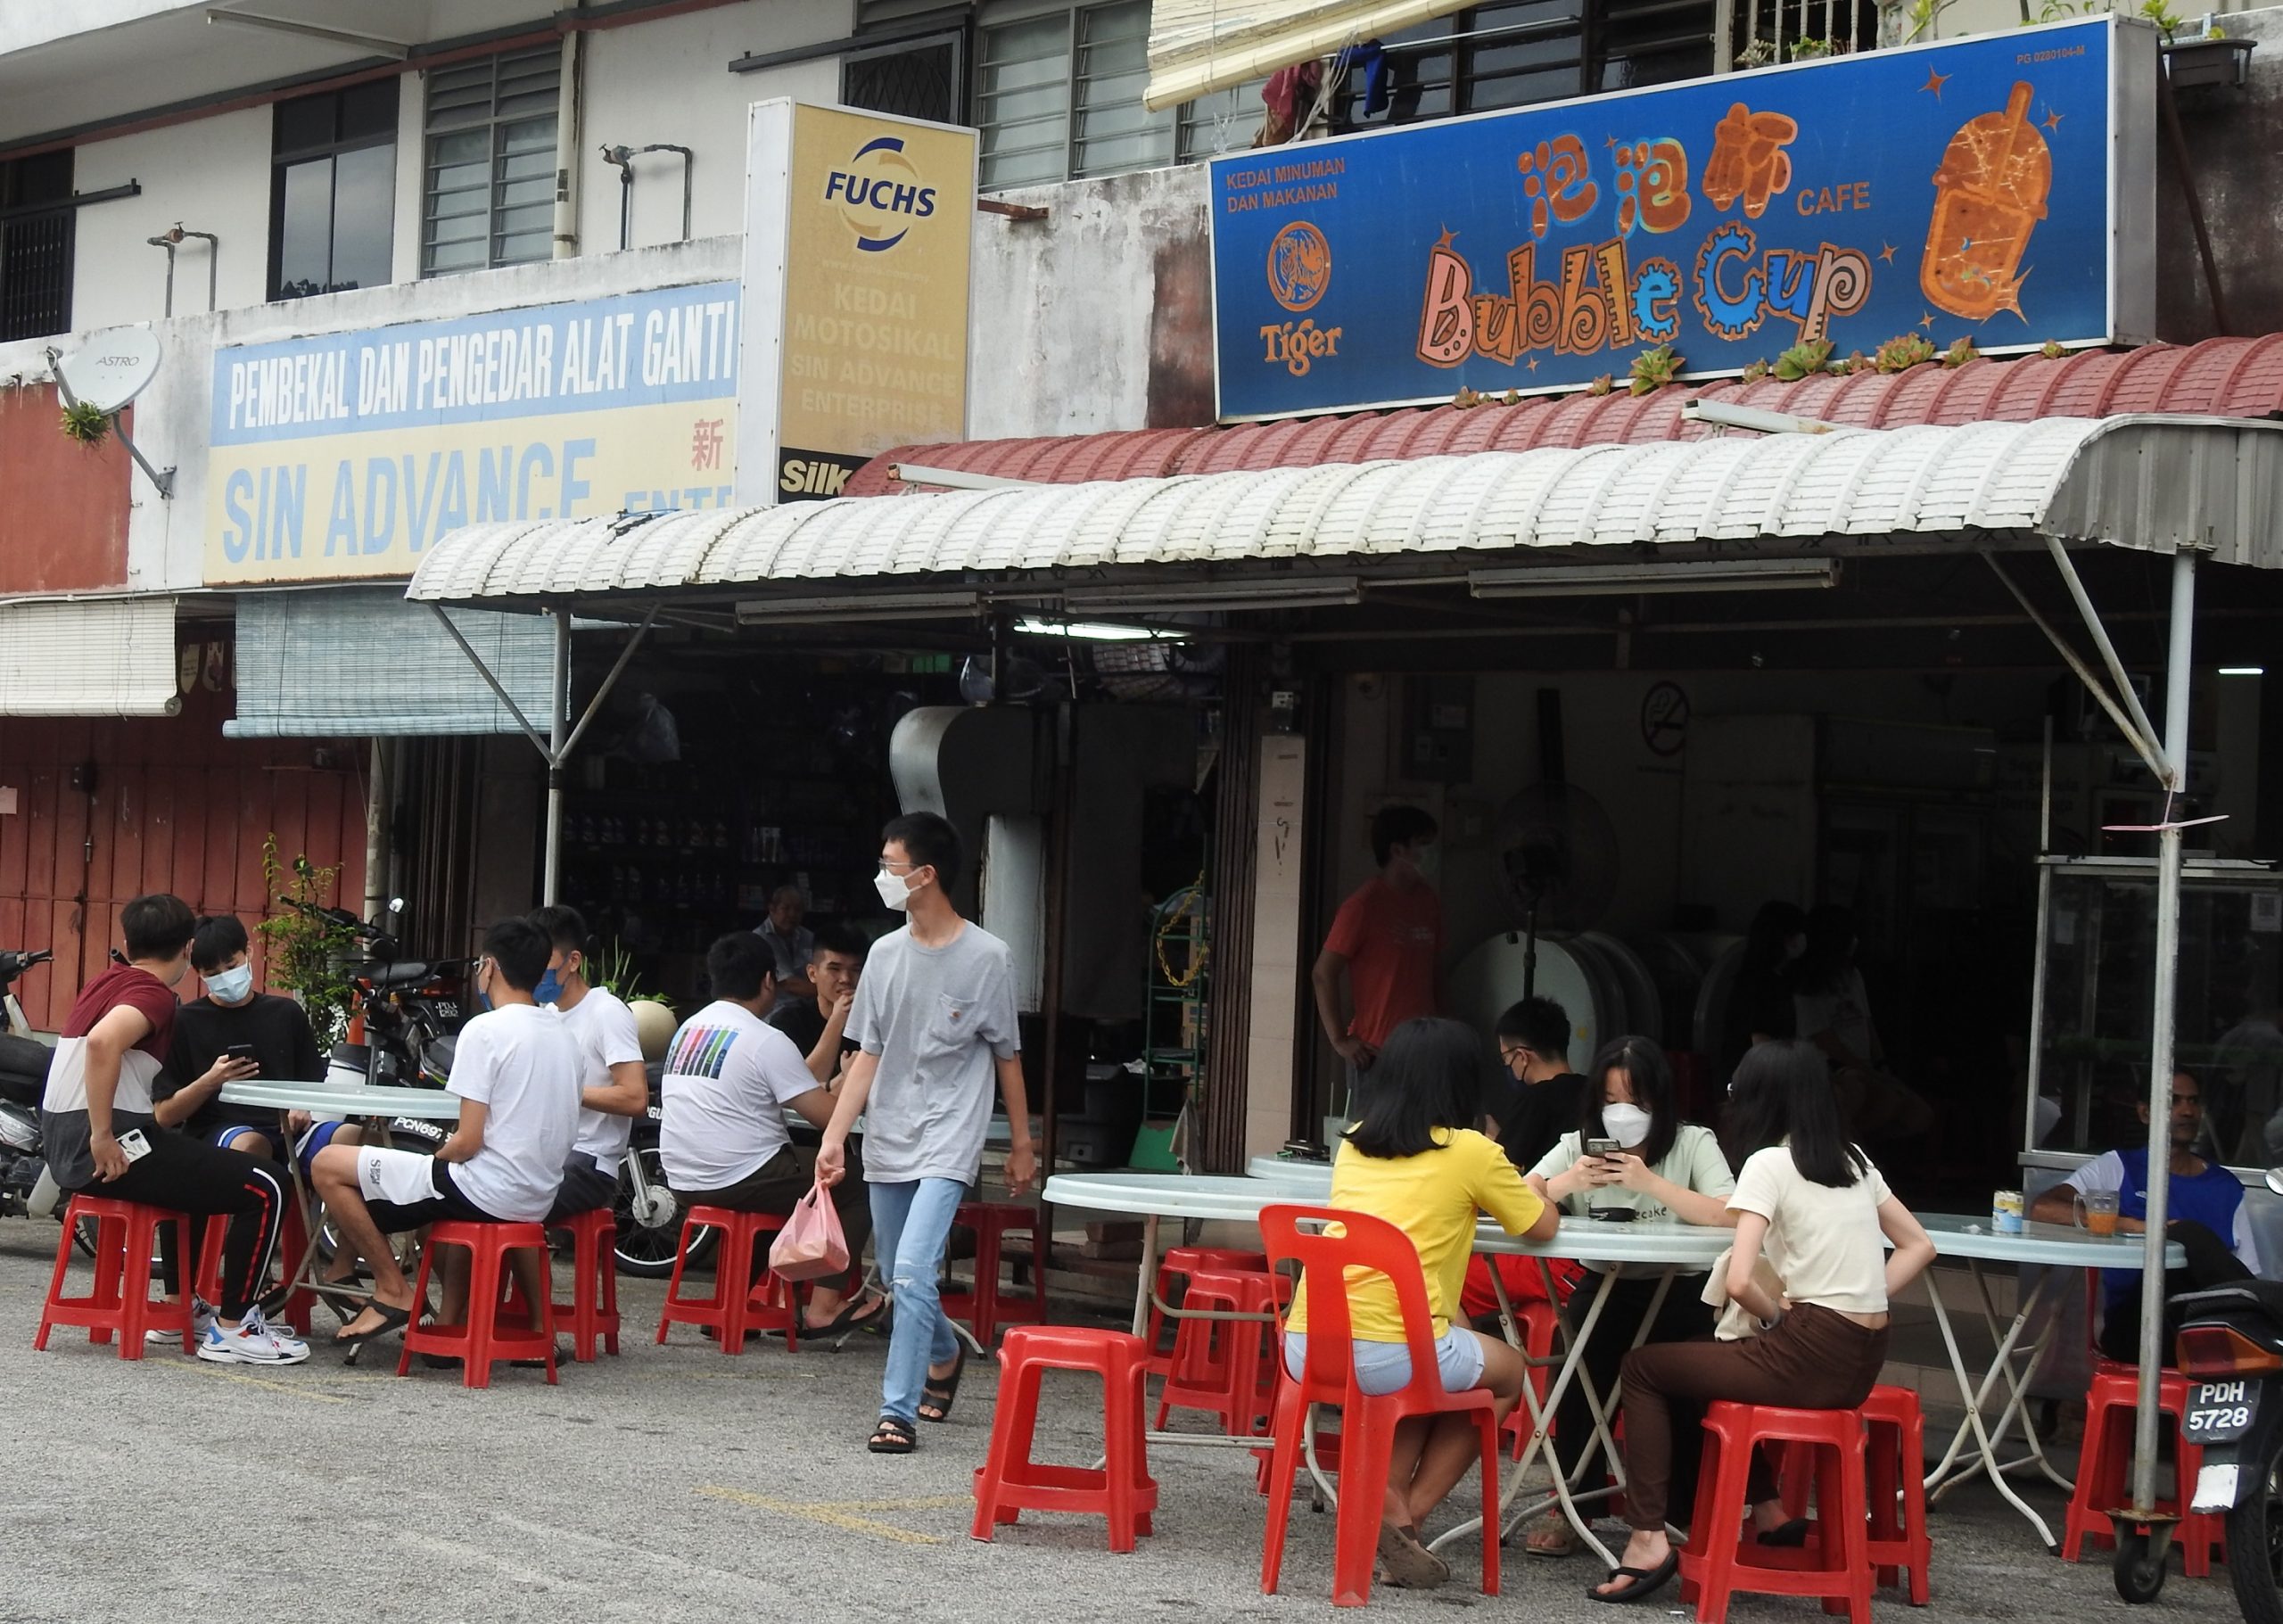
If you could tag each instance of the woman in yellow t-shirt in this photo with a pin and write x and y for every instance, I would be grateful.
(1415, 1160)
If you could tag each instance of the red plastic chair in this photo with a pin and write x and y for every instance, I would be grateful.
(990, 1305)
(481, 1341)
(592, 1312)
(1717, 1561)
(1894, 1477)
(1227, 1368)
(121, 1303)
(1121, 1490)
(1179, 1263)
(2105, 1467)
(1537, 1320)
(1367, 1422)
(769, 1305)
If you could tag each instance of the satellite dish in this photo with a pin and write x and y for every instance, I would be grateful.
(111, 369)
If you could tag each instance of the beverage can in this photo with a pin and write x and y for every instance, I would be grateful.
(2005, 1212)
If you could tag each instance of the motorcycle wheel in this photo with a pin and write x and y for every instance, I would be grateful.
(646, 1249)
(2139, 1572)
(2256, 1542)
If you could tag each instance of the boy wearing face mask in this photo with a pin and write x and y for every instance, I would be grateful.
(233, 1014)
(1662, 1168)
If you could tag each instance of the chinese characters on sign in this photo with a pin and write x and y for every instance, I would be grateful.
(1964, 190)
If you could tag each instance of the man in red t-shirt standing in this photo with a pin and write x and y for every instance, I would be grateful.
(100, 1129)
(1387, 938)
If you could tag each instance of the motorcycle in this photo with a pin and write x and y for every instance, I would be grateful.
(2231, 1348)
(407, 1006)
(25, 1186)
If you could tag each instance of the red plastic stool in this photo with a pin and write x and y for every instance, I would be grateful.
(1227, 1368)
(1894, 1481)
(121, 1303)
(1716, 1562)
(481, 1341)
(1182, 1262)
(1010, 1482)
(990, 1305)
(734, 1308)
(2105, 1467)
(592, 1311)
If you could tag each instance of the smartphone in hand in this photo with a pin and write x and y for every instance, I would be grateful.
(238, 1051)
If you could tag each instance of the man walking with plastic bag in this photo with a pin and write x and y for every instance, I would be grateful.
(934, 1024)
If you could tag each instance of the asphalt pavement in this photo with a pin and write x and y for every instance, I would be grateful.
(677, 1484)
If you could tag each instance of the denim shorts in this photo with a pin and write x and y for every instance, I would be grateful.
(1383, 1367)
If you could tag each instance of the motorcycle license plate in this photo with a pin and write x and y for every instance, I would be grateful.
(2215, 1486)
(2219, 1412)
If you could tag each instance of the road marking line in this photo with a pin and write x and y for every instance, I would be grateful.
(843, 1513)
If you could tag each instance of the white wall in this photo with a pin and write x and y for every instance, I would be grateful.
(211, 175)
(669, 81)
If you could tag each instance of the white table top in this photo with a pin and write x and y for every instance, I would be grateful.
(1169, 1195)
(1291, 1173)
(2059, 1245)
(326, 1101)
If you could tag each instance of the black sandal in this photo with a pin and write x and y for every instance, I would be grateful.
(1790, 1536)
(892, 1436)
(939, 1394)
(391, 1319)
(1646, 1581)
(850, 1318)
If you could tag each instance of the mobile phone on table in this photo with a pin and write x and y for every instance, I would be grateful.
(134, 1145)
(238, 1051)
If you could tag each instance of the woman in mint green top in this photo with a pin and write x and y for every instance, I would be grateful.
(1663, 1169)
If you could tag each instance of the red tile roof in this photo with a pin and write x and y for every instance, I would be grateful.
(2230, 377)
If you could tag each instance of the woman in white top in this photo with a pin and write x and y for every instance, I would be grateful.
(1662, 1168)
(1822, 1214)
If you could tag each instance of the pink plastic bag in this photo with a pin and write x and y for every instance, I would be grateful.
(811, 1246)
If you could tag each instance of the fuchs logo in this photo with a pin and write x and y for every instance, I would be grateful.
(879, 193)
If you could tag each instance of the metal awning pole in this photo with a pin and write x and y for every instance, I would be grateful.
(2161, 1034)
(2042, 966)
(559, 727)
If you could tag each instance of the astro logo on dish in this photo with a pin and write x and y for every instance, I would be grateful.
(879, 194)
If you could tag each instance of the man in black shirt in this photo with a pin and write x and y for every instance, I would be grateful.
(1546, 1098)
(232, 1014)
(817, 1024)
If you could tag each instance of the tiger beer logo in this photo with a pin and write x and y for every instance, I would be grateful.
(879, 195)
(1300, 266)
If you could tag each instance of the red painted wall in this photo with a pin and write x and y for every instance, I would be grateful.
(177, 807)
(63, 524)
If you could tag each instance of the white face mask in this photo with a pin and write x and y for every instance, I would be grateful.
(1628, 1125)
(230, 986)
(894, 889)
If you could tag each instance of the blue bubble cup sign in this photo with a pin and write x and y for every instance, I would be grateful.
(1999, 190)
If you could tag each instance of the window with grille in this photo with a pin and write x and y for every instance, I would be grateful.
(488, 193)
(333, 190)
(36, 245)
(913, 79)
(1057, 96)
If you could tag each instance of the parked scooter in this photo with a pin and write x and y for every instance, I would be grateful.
(407, 1005)
(25, 1186)
(2230, 1347)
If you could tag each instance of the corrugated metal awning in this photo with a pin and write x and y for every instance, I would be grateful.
(2152, 483)
(354, 663)
(89, 657)
(1199, 46)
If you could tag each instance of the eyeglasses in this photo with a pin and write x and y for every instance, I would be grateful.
(889, 868)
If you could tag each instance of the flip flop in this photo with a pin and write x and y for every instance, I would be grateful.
(1409, 1564)
(391, 1319)
(939, 1394)
(850, 1319)
(1646, 1581)
(891, 1436)
(1785, 1536)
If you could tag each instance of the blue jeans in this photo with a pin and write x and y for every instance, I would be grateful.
(911, 1228)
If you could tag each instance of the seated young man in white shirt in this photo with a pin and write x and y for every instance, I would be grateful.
(730, 1077)
(517, 1071)
(614, 1086)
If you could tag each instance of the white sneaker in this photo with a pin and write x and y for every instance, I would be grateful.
(249, 1344)
(291, 1346)
(202, 1316)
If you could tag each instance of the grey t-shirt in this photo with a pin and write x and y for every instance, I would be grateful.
(938, 1018)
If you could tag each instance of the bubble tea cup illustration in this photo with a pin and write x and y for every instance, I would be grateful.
(1990, 193)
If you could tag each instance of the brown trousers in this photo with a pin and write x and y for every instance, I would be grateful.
(1813, 1360)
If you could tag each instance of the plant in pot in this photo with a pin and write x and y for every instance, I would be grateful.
(310, 957)
(654, 1016)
